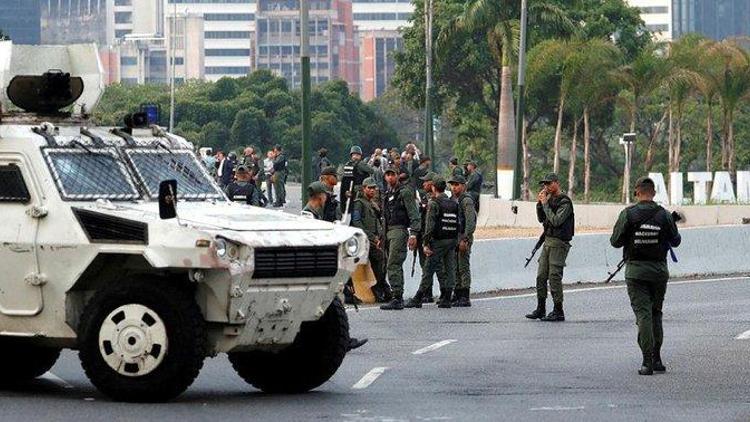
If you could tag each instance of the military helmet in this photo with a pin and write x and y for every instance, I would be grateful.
(355, 150)
(316, 188)
(369, 182)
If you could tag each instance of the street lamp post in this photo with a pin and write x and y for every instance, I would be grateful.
(305, 58)
(521, 102)
(627, 141)
(428, 132)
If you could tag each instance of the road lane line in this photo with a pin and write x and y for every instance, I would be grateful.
(557, 408)
(49, 376)
(743, 336)
(432, 347)
(369, 378)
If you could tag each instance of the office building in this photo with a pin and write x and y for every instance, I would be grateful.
(20, 20)
(334, 53)
(228, 33)
(716, 19)
(377, 62)
(657, 14)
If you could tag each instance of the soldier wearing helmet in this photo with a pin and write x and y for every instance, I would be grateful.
(355, 172)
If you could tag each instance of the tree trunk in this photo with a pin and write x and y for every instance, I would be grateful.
(586, 155)
(709, 136)
(730, 143)
(725, 142)
(572, 166)
(631, 149)
(652, 142)
(670, 137)
(675, 164)
(558, 134)
(525, 192)
(506, 133)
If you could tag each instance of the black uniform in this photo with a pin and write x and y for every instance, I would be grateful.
(244, 192)
(355, 172)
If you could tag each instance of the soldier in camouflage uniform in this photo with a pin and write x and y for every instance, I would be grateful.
(366, 215)
(402, 224)
(555, 211)
(440, 242)
(647, 232)
(331, 210)
(456, 170)
(423, 196)
(468, 217)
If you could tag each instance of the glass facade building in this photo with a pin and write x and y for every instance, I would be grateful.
(21, 20)
(717, 19)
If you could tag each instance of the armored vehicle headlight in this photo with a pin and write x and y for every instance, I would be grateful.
(353, 246)
(221, 248)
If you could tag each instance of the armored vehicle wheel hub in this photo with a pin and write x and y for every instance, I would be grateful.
(133, 340)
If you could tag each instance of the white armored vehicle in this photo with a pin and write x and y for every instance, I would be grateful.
(91, 258)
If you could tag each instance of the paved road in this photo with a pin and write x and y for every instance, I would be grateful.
(486, 363)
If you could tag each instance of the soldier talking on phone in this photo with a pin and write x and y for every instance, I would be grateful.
(555, 211)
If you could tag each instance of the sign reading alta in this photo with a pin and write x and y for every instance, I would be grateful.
(716, 188)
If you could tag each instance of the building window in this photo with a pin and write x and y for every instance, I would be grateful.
(229, 16)
(227, 34)
(227, 70)
(123, 2)
(120, 33)
(123, 17)
(210, 1)
(375, 16)
(286, 26)
(128, 61)
(230, 52)
(648, 10)
(179, 61)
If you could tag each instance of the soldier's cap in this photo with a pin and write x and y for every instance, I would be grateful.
(242, 169)
(454, 161)
(470, 161)
(423, 159)
(549, 178)
(428, 177)
(438, 179)
(645, 183)
(370, 183)
(391, 169)
(458, 179)
(316, 188)
(329, 171)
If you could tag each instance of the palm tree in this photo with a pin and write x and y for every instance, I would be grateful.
(732, 86)
(708, 66)
(499, 19)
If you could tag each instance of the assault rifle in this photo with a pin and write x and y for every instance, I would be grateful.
(538, 245)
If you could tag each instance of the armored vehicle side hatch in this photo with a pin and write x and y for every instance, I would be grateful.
(45, 94)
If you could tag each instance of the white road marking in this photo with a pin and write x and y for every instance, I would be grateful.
(432, 347)
(743, 336)
(369, 378)
(49, 376)
(556, 408)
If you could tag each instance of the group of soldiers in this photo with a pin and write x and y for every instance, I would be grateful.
(242, 179)
(409, 210)
(646, 232)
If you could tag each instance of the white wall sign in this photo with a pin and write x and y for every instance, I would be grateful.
(716, 188)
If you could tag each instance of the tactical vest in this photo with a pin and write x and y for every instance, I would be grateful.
(242, 193)
(646, 235)
(566, 231)
(447, 225)
(395, 210)
(352, 175)
(329, 208)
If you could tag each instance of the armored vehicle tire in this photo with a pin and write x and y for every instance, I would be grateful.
(142, 340)
(311, 360)
(20, 360)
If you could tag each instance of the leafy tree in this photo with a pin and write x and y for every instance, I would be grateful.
(249, 128)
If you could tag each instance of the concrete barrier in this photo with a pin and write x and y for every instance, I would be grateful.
(497, 212)
(498, 263)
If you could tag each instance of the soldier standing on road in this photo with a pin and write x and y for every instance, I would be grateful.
(468, 218)
(268, 173)
(331, 209)
(424, 195)
(647, 232)
(402, 224)
(474, 180)
(317, 194)
(243, 189)
(366, 215)
(355, 172)
(322, 162)
(555, 211)
(280, 173)
(440, 241)
(456, 170)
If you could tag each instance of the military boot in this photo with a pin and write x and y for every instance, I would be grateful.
(463, 300)
(428, 298)
(658, 365)
(540, 311)
(396, 304)
(557, 314)
(647, 367)
(445, 298)
(416, 301)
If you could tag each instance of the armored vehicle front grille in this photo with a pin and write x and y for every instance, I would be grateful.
(101, 228)
(319, 261)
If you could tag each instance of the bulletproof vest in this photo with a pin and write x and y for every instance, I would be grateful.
(329, 208)
(646, 235)
(447, 225)
(242, 191)
(352, 175)
(395, 210)
(566, 231)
